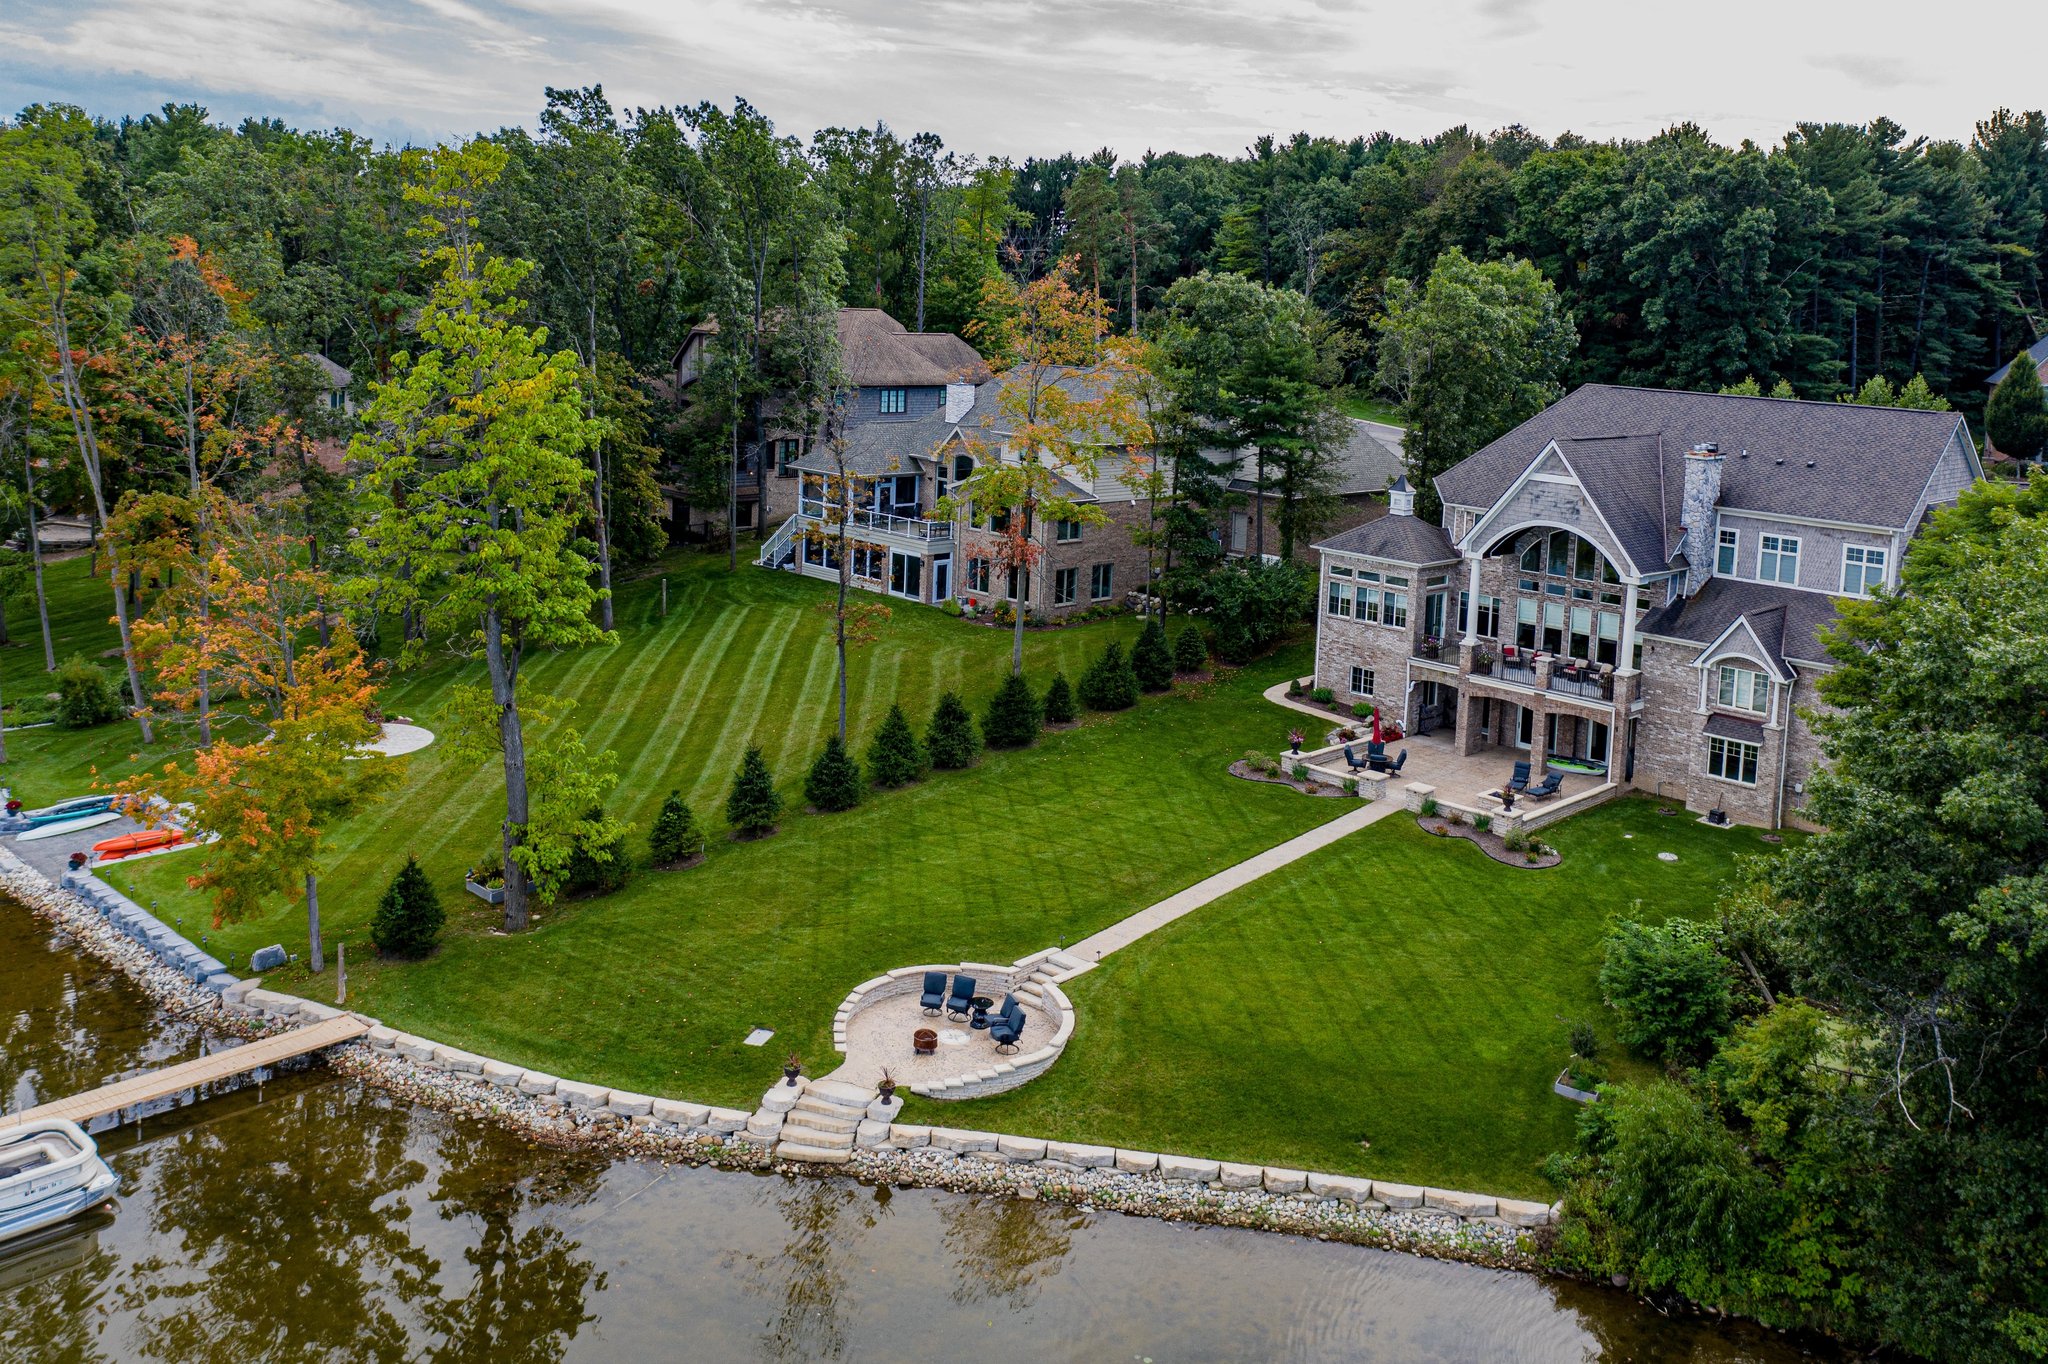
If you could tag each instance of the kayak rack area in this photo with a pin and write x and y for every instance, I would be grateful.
(194, 1074)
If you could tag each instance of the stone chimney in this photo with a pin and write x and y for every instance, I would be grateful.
(1696, 513)
(1401, 498)
(959, 399)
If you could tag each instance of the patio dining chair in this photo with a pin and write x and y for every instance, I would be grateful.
(1352, 760)
(961, 1002)
(1394, 767)
(1006, 1028)
(934, 997)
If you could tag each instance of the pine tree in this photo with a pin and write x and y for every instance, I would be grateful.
(1109, 683)
(896, 758)
(1190, 653)
(950, 739)
(754, 805)
(1151, 660)
(1012, 719)
(1059, 701)
(675, 838)
(834, 781)
(2016, 418)
(409, 917)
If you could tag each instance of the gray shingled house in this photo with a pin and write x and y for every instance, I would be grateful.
(1634, 581)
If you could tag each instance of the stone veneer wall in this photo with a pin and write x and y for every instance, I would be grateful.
(995, 981)
(1671, 743)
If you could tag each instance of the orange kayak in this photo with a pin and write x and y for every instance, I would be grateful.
(143, 840)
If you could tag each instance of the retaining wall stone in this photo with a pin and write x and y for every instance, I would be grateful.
(1192, 1171)
(1235, 1176)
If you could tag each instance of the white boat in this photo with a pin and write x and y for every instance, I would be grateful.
(50, 1170)
(69, 826)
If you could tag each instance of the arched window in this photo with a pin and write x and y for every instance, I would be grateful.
(963, 468)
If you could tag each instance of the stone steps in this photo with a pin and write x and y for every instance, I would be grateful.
(823, 1123)
(814, 1155)
(840, 1092)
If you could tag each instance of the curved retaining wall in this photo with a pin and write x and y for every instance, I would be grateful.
(1006, 1073)
(172, 948)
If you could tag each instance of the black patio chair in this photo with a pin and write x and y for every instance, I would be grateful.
(934, 997)
(961, 1002)
(1520, 781)
(1006, 1028)
(1352, 760)
(1394, 767)
(1549, 788)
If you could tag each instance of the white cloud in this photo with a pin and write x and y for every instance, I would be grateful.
(1030, 75)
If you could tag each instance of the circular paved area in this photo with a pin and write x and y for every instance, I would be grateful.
(398, 739)
(879, 1036)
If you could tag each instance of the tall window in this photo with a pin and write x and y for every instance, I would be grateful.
(895, 401)
(1582, 632)
(1340, 599)
(1743, 689)
(1862, 570)
(1099, 581)
(1525, 623)
(1066, 584)
(1013, 586)
(1724, 560)
(1553, 627)
(1731, 760)
(1361, 681)
(786, 451)
(1777, 559)
(867, 561)
(1066, 531)
(977, 575)
(1532, 556)
(1607, 647)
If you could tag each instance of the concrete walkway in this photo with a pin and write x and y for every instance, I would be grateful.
(1127, 931)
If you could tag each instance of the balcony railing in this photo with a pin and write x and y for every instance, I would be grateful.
(887, 523)
(1588, 683)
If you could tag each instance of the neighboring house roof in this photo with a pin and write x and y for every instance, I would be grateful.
(1839, 462)
(878, 352)
(1786, 621)
(337, 376)
(1402, 539)
(882, 447)
(1366, 464)
(2038, 353)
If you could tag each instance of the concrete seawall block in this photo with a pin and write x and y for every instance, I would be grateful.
(576, 1094)
(726, 1119)
(680, 1113)
(629, 1105)
(537, 1084)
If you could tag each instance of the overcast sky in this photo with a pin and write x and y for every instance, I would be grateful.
(1021, 76)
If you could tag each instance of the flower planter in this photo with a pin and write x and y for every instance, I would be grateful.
(490, 895)
(1562, 1086)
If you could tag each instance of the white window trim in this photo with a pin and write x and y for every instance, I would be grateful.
(1707, 771)
(1734, 559)
(1798, 544)
(1372, 679)
(1737, 665)
(1884, 582)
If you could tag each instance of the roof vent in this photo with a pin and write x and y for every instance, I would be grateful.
(1809, 464)
(1779, 460)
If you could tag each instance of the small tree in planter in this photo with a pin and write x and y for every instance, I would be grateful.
(753, 806)
(675, 838)
(1151, 660)
(1012, 719)
(833, 782)
(951, 739)
(409, 916)
(896, 758)
(1109, 683)
(1059, 701)
(1190, 653)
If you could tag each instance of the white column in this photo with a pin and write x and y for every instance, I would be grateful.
(1624, 660)
(1471, 600)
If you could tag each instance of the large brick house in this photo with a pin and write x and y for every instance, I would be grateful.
(1634, 581)
(898, 378)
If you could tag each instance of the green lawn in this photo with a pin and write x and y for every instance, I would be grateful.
(1369, 408)
(1394, 987)
(654, 987)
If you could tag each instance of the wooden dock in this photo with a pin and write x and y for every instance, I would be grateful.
(205, 1070)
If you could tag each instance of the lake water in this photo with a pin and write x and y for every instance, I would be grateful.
(315, 1219)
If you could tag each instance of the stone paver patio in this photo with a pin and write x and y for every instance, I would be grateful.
(879, 1036)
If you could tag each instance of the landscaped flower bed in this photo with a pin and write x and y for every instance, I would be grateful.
(1527, 853)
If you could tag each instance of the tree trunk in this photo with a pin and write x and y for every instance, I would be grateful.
(1259, 507)
(732, 504)
(839, 622)
(319, 963)
(604, 530)
(35, 555)
(1023, 572)
(512, 743)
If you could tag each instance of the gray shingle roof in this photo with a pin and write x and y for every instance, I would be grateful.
(878, 352)
(882, 447)
(2038, 353)
(1403, 539)
(1366, 464)
(1787, 621)
(1735, 727)
(1841, 462)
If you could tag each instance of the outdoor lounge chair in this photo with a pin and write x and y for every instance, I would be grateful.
(934, 997)
(961, 1002)
(1520, 781)
(1394, 767)
(1005, 1028)
(1549, 787)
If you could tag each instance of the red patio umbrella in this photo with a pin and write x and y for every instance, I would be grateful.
(1376, 726)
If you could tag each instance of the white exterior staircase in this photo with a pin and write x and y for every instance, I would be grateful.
(778, 544)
